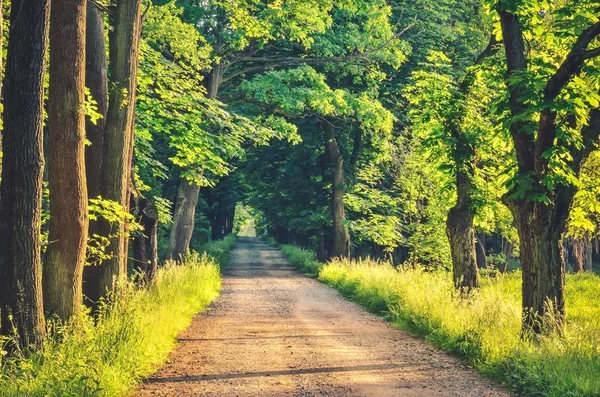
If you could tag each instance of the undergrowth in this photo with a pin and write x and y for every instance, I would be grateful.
(131, 338)
(485, 328)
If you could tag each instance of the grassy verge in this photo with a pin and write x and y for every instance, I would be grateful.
(219, 250)
(132, 337)
(485, 328)
(304, 260)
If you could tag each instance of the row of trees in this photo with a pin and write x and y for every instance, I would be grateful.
(499, 118)
(360, 127)
(63, 23)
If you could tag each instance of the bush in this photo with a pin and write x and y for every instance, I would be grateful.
(485, 328)
(132, 337)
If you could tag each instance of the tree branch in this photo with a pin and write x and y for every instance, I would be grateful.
(571, 67)
(516, 62)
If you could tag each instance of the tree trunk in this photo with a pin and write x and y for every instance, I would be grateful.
(461, 236)
(480, 250)
(68, 226)
(582, 254)
(145, 247)
(123, 58)
(542, 263)
(23, 163)
(341, 238)
(507, 250)
(589, 249)
(96, 81)
(1, 64)
(183, 220)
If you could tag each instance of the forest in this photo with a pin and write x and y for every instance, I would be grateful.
(437, 162)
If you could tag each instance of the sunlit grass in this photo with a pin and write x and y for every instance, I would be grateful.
(485, 328)
(305, 260)
(133, 336)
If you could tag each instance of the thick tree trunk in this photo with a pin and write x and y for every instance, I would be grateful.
(23, 163)
(340, 246)
(65, 257)
(542, 263)
(145, 246)
(123, 58)
(183, 220)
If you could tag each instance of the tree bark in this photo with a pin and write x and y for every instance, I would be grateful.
(188, 192)
(115, 174)
(340, 247)
(480, 250)
(96, 81)
(461, 235)
(21, 186)
(145, 247)
(542, 263)
(183, 220)
(68, 226)
(582, 254)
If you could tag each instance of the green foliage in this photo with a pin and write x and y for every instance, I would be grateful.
(132, 337)
(485, 329)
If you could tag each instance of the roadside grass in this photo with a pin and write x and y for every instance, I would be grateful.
(131, 338)
(304, 260)
(483, 329)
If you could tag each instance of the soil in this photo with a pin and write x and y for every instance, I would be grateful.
(274, 332)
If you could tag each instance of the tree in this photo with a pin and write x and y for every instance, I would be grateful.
(96, 81)
(68, 231)
(21, 186)
(117, 142)
(549, 152)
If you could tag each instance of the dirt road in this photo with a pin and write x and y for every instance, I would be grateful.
(274, 332)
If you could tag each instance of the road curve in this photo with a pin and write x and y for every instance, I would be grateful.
(273, 332)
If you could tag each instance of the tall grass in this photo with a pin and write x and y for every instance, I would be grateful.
(219, 250)
(485, 328)
(131, 338)
(304, 260)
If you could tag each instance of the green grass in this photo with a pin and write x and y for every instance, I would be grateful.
(485, 328)
(219, 250)
(133, 335)
(304, 260)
